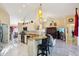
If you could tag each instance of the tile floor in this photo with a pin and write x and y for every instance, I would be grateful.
(20, 49)
(61, 49)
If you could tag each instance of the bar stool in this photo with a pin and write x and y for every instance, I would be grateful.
(44, 48)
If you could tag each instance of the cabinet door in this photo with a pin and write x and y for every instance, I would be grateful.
(51, 30)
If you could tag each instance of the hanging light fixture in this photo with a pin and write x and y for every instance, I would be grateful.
(40, 13)
(40, 17)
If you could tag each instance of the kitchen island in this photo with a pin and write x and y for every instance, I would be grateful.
(32, 40)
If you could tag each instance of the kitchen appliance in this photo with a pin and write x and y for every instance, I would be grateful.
(3, 33)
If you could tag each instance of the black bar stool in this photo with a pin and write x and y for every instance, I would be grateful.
(44, 48)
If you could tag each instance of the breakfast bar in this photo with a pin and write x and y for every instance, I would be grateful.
(33, 40)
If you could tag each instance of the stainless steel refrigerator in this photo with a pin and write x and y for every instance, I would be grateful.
(3, 33)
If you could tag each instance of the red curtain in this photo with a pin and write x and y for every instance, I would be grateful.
(76, 24)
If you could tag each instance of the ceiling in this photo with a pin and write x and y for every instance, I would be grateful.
(29, 10)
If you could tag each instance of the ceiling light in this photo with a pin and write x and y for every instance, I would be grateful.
(40, 13)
